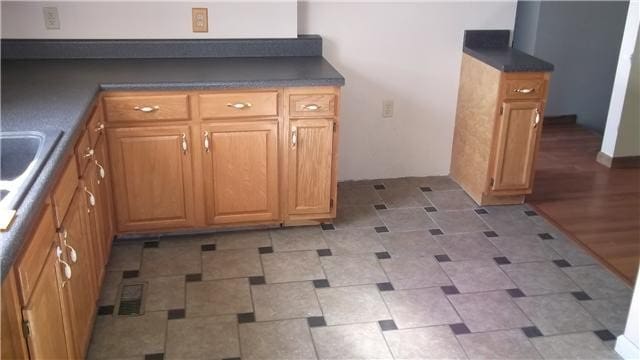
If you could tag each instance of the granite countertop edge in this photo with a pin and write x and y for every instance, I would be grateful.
(12, 240)
(508, 59)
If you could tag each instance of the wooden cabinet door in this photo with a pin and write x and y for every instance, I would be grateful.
(95, 219)
(152, 177)
(310, 144)
(241, 171)
(517, 138)
(46, 336)
(102, 174)
(81, 289)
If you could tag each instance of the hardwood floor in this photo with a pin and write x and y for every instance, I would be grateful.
(597, 206)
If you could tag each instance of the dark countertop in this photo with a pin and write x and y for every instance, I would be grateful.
(508, 59)
(56, 94)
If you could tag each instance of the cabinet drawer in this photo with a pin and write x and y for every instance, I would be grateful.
(33, 257)
(524, 88)
(147, 108)
(64, 190)
(95, 128)
(312, 105)
(236, 105)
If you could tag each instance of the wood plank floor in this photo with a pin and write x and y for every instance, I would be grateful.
(596, 206)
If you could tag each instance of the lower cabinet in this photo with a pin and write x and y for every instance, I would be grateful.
(240, 168)
(310, 166)
(152, 177)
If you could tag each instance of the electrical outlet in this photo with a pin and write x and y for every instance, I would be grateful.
(51, 18)
(387, 108)
(199, 20)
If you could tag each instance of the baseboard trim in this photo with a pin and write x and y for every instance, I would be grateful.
(561, 119)
(619, 162)
(627, 349)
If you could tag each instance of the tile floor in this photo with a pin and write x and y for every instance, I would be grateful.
(411, 268)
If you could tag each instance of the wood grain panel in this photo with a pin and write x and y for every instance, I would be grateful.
(162, 107)
(64, 190)
(12, 343)
(250, 104)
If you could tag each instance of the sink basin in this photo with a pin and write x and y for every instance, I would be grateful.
(22, 155)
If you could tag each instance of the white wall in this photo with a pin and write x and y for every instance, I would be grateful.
(628, 143)
(408, 52)
(150, 19)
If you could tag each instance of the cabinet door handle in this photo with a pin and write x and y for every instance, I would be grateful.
(90, 197)
(294, 136)
(239, 105)
(99, 128)
(147, 109)
(524, 90)
(185, 147)
(537, 119)
(66, 268)
(73, 254)
(311, 107)
(101, 172)
(206, 141)
(88, 153)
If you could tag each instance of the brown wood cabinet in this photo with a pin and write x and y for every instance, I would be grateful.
(498, 126)
(152, 177)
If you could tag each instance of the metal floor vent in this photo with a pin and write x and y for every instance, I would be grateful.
(131, 300)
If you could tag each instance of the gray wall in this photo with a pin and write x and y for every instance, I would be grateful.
(582, 39)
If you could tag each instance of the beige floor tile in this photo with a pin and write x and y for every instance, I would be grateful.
(110, 285)
(358, 216)
(436, 342)
(458, 221)
(119, 337)
(406, 219)
(227, 264)
(525, 248)
(557, 313)
(242, 239)
(357, 341)
(573, 346)
(467, 246)
(285, 301)
(298, 238)
(171, 261)
(165, 293)
(125, 257)
(353, 270)
(537, 278)
(353, 241)
(598, 282)
(206, 298)
(292, 266)
(506, 344)
(419, 307)
(414, 272)
(203, 338)
(451, 200)
(612, 312)
(477, 275)
(287, 339)
(352, 304)
(489, 311)
(359, 195)
(403, 197)
(411, 243)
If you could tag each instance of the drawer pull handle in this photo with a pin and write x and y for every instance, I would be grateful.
(147, 109)
(66, 267)
(88, 153)
(99, 128)
(524, 90)
(537, 119)
(101, 172)
(294, 136)
(206, 141)
(311, 107)
(239, 105)
(184, 143)
(91, 197)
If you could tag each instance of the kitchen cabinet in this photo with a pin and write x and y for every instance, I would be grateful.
(152, 177)
(498, 125)
(240, 167)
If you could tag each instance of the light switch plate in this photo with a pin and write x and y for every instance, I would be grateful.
(199, 20)
(51, 18)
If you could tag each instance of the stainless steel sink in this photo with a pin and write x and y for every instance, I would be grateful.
(22, 156)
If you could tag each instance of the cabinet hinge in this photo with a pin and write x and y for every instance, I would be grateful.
(491, 182)
(330, 203)
(501, 109)
(25, 328)
(334, 126)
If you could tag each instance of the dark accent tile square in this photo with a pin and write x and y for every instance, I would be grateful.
(562, 263)
(501, 260)
(545, 236)
(435, 232)
(383, 255)
(459, 328)
(490, 233)
(321, 283)
(480, 211)
(532, 331)
(130, 274)
(176, 314)
(581, 295)
(327, 227)
(516, 293)
(105, 310)
(316, 321)
(531, 213)
(605, 335)
(425, 189)
(450, 290)
(379, 187)
(265, 250)
(158, 356)
(257, 280)
(208, 247)
(193, 277)
(151, 244)
(246, 318)
(380, 206)
(387, 325)
(443, 258)
(385, 286)
(324, 252)
(381, 229)
(430, 209)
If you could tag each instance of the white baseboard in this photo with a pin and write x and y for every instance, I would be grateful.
(627, 349)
